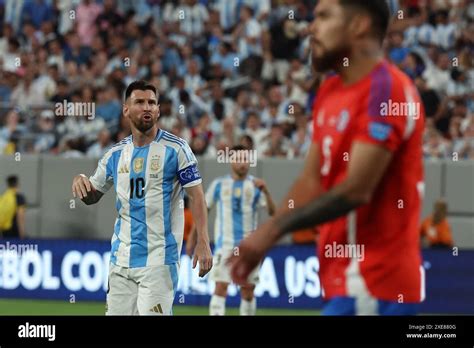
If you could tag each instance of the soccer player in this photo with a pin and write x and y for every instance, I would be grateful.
(363, 176)
(237, 197)
(148, 170)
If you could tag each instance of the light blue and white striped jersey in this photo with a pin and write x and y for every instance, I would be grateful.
(149, 183)
(237, 203)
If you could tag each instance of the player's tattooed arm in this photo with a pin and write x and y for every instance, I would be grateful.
(367, 165)
(82, 188)
(328, 206)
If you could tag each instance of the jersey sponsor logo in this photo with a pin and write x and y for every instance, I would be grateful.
(138, 164)
(379, 131)
(157, 309)
(124, 169)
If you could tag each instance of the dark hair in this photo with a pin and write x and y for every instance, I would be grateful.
(238, 147)
(377, 10)
(12, 181)
(247, 138)
(140, 85)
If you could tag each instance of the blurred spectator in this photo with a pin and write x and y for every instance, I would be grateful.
(398, 52)
(276, 145)
(192, 17)
(255, 130)
(46, 137)
(435, 145)
(438, 76)
(435, 228)
(247, 142)
(226, 59)
(201, 147)
(12, 126)
(248, 36)
(217, 59)
(100, 147)
(109, 107)
(71, 148)
(86, 15)
(37, 11)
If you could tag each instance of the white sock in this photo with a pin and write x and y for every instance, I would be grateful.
(217, 305)
(248, 307)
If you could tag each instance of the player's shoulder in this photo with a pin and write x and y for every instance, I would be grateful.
(330, 81)
(223, 178)
(169, 139)
(118, 146)
(388, 79)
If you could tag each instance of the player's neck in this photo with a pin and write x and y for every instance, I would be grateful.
(142, 139)
(360, 64)
(238, 178)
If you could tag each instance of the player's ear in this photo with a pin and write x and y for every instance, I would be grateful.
(125, 110)
(360, 25)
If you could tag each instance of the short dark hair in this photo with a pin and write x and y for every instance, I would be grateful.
(378, 11)
(140, 85)
(238, 147)
(249, 139)
(12, 181)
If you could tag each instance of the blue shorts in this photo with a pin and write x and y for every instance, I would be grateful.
(348, 306)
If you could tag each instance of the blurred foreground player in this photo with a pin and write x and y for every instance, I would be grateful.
(148, 170)
(238, 197)
(363, 176)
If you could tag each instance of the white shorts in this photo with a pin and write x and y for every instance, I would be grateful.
(220, 271)
(141, 291)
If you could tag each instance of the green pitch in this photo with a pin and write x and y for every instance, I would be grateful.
(50, 307)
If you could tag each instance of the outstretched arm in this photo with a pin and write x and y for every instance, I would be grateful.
(366, 167)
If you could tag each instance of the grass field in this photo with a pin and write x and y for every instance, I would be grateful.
(50, 307)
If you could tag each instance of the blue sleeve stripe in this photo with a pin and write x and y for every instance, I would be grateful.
(380, 90)
(173, 139)
(170, 165)
(217, 191)
(181, 144)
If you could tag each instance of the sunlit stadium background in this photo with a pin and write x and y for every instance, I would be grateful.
(228, 72)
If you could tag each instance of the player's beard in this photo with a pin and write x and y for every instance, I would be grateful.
(330, 59)
(143, 126)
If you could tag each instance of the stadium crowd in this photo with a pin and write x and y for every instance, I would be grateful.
(228, 72)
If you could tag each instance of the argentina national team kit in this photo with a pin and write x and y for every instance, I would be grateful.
(148, 232)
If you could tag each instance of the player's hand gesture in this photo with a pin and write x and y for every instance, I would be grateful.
(81, 186)
(250, 253)
(203, 255)
(260, 184)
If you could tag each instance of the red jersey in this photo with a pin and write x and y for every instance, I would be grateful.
(383, 108)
